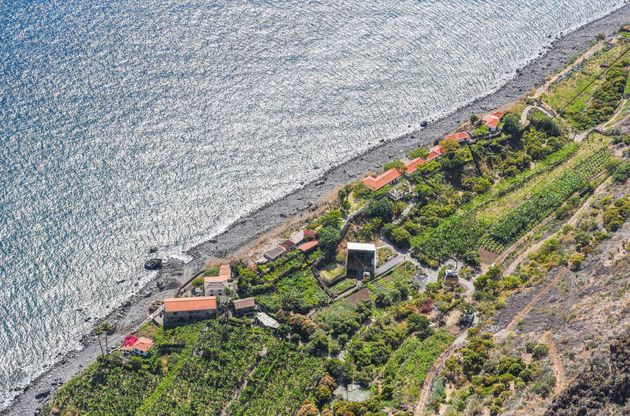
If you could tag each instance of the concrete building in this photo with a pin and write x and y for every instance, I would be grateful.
(360, 259)
(182, 310)
(274, 252)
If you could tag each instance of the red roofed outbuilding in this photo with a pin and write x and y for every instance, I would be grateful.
(459, 136)
(412, 166)
(493, 119)
(384, 179)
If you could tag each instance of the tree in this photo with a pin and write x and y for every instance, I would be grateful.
(331, 219)
(319, 343)
(421, 325)
(512, 125)
(328, 238)
(474, 118)
(400, 236)
(396, 164)
(418, 152)
(103, 328)
(308, 408)
(381, 208)
(449, 145)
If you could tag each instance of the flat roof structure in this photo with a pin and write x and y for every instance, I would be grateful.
(362, 246)
(274, 252)
(267, 320)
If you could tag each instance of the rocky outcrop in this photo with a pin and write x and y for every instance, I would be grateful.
(602, 390)
(153, 264)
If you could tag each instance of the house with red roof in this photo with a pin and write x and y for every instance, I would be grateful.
(218, 285)
(436, 151)
(308, 246)
(182, 310)
(412, 165)
(386, 178)
(139, 346)
(461, 136)
(492, 120)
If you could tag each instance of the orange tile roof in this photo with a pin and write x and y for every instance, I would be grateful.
(225, 274)
(412, 165)
(215, 279)
(432, 155)
(459, 136)
(190, 304)
(141, 344)
(225, 270)
(381, 180)
(437, 149)
(492, 120)
(309, 245)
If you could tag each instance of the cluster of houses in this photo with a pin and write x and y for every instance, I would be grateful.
(360, 261)
(390, 176)
(303, 240)
(216, 289)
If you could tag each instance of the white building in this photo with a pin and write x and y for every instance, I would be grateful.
(361, 259)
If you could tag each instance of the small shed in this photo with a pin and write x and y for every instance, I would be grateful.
(451, 278)
(274, 252)
(244, 306)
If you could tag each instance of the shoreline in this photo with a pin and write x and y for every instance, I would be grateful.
(299, 204)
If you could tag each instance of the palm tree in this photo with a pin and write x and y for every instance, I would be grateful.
(103, 328)
(98, 331)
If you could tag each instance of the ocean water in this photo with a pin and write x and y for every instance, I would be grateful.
(138, 123)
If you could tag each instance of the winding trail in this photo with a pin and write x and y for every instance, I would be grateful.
(522, 314)
(435, 370)
(556, 360)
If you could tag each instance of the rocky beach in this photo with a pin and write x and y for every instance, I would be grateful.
(174, 273)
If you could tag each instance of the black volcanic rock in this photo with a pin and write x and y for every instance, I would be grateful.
(153, 264)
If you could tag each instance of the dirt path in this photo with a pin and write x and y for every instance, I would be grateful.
(421, 405)
(237, 392)
(543, 88)
(556, 360)
(530, 305)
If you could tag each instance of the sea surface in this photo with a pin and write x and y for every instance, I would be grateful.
(128, 124)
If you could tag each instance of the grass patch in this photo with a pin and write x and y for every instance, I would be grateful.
(298, 292)
(342, 286)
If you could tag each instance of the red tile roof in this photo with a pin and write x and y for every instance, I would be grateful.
(215, 279)
(459, 136)
(437, 149)
(492, 120)
(225, 270)
(190, 304)
(142, 344)
(432, 155)
(309, 245)
(225, 274)
(412, 165)
(381, 180)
